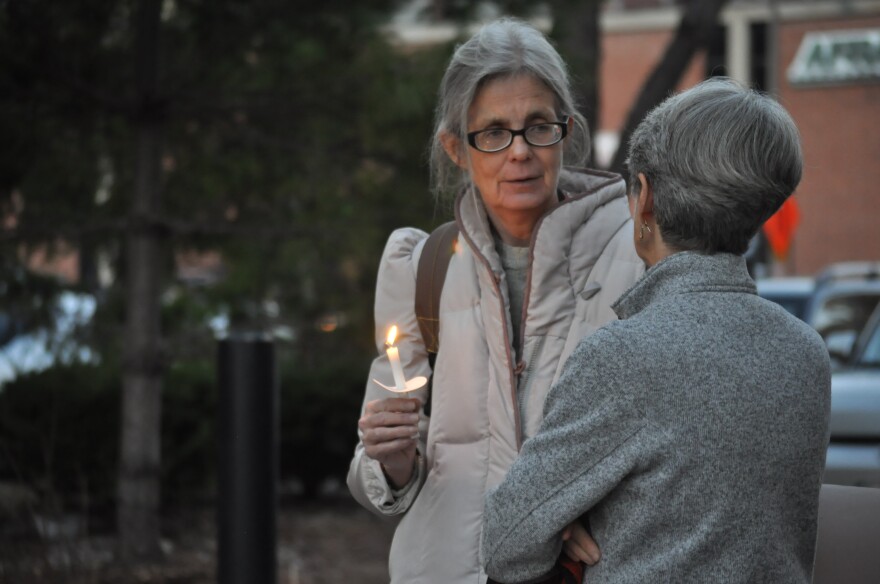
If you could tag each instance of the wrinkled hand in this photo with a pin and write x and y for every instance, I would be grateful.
(390, 429)
(579, 545)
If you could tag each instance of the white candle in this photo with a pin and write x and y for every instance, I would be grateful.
(394, 359)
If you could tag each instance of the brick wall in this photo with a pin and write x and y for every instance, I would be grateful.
(627, 60)
(839, 196)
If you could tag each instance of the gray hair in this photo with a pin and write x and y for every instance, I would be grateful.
(721, 159)
(504, 48)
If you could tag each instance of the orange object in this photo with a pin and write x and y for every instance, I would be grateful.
(780, 228)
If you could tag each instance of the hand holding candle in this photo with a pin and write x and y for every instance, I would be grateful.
(400, 383)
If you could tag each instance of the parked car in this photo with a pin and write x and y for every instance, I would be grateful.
(845, 296)
(854, 450)
(837, 303)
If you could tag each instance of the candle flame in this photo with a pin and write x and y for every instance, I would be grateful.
(392, 334)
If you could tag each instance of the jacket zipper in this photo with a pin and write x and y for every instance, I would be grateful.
(523, 370)
(505, 314)
(524, 376)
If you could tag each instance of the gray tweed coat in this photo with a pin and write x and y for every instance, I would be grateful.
(690, 434)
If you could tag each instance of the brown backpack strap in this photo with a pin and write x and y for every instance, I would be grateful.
(430, 276)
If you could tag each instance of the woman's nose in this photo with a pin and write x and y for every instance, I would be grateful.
(519, 148)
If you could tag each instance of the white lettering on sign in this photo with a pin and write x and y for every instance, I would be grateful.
(837, 57)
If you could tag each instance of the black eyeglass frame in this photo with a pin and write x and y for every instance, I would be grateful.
(472, 136)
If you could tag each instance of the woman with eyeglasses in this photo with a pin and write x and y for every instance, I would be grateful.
(542, 252)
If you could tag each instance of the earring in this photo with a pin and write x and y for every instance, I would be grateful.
(642, 230)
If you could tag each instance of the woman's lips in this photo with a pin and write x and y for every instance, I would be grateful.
(524, 185)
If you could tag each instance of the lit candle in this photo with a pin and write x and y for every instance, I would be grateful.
(394, 359)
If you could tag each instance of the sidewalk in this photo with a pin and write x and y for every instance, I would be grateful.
(323, 542)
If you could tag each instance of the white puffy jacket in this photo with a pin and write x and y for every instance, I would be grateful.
(582, 259)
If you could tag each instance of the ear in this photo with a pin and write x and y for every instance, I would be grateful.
(453, 147)
(644, 200)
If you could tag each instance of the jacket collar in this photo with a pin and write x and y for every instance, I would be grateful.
(683, 273)
(584, 191)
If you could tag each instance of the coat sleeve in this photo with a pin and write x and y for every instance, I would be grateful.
(395, 298)
(587, 443)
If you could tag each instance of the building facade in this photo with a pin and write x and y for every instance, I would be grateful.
(821, 60)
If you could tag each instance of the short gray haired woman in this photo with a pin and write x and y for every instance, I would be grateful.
(716, 188)
(542, 253)
(690, 433)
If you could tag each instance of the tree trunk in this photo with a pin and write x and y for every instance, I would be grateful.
(694, 33)
(140, 455)
(576, 29)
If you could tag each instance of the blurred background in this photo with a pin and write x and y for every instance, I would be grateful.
(177, 171)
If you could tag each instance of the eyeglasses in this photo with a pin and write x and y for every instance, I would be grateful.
(497, 139)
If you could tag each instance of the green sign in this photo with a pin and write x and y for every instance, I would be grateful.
(837, 57)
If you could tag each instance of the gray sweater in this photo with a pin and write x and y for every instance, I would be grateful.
(690, 435)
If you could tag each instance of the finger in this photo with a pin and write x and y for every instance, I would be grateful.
(585, 541)
(582, 538)
(381, 450)
(386, 419)
(577, 553)
(384, 434)
(393, 404)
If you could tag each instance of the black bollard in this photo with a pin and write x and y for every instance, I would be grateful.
(248, 465)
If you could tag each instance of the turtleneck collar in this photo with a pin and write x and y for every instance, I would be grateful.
(682, 273)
